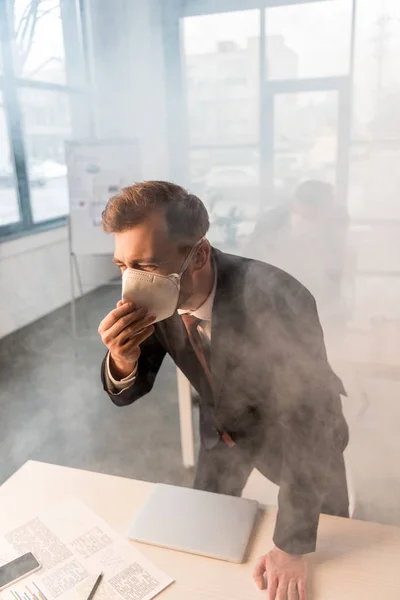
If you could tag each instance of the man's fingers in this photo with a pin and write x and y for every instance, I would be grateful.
(282, 590)
(138, 316)
(258, 574)
(260, 582)
(143, 335)
(302, 590)
(272, 586)
(292, 590)
(115, 315)
(131, 331)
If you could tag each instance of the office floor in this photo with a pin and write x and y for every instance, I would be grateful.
(53, 409)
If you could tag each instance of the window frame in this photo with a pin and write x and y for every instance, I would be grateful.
(72, 16)
(179, 144)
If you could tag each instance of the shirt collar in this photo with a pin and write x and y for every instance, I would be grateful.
(204, 312)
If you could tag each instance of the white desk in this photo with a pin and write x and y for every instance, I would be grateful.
(355, 560)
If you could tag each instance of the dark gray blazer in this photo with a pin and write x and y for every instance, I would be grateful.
(273, 389)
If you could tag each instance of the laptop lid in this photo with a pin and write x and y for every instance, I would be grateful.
(194, 521)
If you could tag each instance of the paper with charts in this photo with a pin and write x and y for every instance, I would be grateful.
(74, 545)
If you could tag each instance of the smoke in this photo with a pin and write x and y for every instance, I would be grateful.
(343, 246)
(204, 120)
(245, 144)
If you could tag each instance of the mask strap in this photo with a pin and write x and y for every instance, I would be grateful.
(190, 255)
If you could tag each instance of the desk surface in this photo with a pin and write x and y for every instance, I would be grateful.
(355, 559)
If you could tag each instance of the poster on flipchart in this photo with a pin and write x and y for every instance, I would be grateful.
(96, 171)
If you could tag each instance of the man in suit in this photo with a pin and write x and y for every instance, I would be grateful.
(248, 338)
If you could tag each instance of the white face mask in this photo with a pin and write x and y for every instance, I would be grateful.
(158, 293)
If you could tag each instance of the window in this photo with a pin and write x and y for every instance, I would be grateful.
(221, 53)
(374, 173)
(35, 105)
(9, 210)
(375, 181)
(221, 62)
(305, 137)
(308, 40)
(227, 180)
(38, 40)
(376, 71)
(46, 126)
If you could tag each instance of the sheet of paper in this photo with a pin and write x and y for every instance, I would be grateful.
(74, 545)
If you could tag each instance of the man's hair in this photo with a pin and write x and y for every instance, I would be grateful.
(186, 215)
(314, 192)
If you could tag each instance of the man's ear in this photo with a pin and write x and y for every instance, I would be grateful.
(202, 256)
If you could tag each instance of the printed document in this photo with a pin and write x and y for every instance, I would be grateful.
(74, 546)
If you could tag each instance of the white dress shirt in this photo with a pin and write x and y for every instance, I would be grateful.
(203, 313)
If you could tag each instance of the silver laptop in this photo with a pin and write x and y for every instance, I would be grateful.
(197, 522)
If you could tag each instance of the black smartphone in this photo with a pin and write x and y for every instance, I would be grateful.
(18, 569)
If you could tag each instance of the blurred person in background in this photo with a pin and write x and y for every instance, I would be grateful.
(248, 338)
(307, 237)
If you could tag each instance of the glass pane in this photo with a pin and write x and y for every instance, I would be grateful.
(221, 64)
(9, 210)
(39, 46)
(46, 127)
(374, 181)
(305, 138)
(293, 230)
(376, 71)
(227, 180)
(308, 40)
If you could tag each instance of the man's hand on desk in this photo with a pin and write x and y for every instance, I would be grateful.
(122, 331)
(284, 575)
